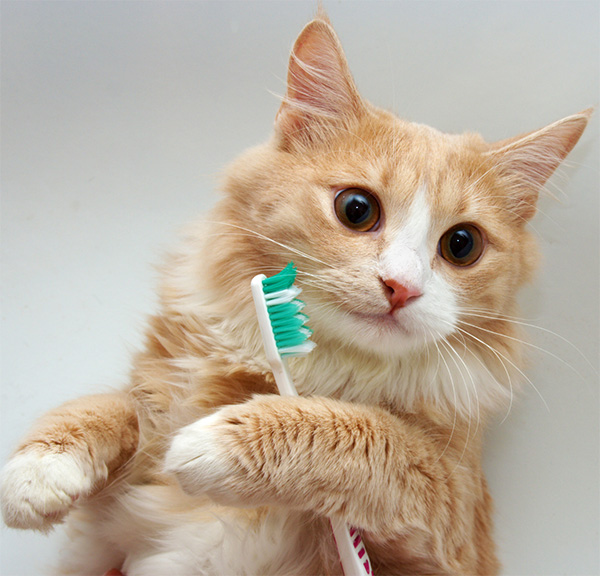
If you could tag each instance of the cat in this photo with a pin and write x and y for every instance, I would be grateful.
(411, 246)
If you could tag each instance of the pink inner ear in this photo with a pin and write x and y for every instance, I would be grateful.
(320, 86)
(315, 73)
(528, 161)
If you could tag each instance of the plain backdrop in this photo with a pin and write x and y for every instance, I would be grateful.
(117, 118)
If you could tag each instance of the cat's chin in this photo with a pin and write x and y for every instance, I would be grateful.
(385, 334)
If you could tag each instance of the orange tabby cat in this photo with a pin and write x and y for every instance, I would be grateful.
(400, 234)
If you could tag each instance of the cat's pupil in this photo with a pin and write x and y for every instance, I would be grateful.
(461, 244)
(357, 209)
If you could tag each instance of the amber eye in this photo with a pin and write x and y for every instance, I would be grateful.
(462, 245)
(357, 209)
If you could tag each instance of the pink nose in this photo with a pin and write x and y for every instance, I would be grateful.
(398, 294)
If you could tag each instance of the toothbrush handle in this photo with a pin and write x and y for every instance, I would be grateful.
(283, 379)
(353, 555)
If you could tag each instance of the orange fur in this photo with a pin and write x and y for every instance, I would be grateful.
(383, 438)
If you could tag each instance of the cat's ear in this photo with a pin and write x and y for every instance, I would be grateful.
(527, 161)
(320, 90)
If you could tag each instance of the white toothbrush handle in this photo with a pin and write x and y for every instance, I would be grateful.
(351, 550)
(353, 554)
(281, 372)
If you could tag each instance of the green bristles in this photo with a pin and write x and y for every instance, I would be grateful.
(281, 281)
(283, 311)
(288, 324)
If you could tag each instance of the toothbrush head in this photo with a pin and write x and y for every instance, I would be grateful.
(286, 321)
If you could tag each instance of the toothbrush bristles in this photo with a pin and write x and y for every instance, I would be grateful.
(287, 322)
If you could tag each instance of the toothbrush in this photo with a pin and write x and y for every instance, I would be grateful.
(285, 334)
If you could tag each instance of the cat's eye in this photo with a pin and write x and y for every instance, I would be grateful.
(357, 209)
(462, 245)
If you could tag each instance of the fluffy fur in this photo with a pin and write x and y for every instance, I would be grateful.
(199, 468)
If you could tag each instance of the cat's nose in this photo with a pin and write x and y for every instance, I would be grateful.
(398, 294)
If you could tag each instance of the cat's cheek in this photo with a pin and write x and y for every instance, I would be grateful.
(200, 458)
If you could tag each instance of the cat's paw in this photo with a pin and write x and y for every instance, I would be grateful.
(38, 488)
(202, 459)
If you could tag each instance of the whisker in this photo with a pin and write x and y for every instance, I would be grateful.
(468, 435)
(467, 333)
(524, 342)
(541, 329)
(486, 368)
(494, 314)
(267, 238)
(455, 418)
(455, 353)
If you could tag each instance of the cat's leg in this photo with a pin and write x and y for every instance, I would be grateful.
(398, 479)
(69, 454)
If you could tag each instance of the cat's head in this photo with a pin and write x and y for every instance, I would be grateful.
(400, 232)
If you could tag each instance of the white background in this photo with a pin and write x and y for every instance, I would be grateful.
(117, 118)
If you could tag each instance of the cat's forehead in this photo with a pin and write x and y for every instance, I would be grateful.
(403, 163)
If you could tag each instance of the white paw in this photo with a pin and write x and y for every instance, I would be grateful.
(38, 488)
(200, 458)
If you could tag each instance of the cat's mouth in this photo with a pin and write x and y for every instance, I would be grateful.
(388, 321)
